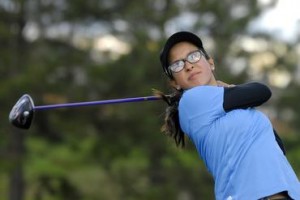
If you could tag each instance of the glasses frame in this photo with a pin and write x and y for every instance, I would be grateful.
(187, 59)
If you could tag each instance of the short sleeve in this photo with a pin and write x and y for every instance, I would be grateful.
(200, 106)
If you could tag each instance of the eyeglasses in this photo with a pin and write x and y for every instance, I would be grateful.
(192, 58)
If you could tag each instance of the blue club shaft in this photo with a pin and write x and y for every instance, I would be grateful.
(93, 103)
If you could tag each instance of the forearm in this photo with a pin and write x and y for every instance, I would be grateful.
(245, 96)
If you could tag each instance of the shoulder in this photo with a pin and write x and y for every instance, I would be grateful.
(206, 90)
(202, 96)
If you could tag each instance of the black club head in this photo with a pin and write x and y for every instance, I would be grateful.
(22, 113)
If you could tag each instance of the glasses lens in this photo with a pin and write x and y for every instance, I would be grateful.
(177, 66)
(191, 58)
(194, 57)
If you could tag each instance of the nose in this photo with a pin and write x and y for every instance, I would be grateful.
(188, 66)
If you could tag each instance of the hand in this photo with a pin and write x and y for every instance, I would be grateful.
(223, 84)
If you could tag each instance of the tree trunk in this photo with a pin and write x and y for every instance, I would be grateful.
(17, 148)
(16, 189)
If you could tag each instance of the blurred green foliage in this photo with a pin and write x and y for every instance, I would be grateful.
(115, 151)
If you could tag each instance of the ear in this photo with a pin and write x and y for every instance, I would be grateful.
(212, 63)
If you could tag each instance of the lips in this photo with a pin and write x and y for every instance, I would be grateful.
(193, 75)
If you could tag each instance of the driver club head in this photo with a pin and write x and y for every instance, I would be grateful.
(22, 113)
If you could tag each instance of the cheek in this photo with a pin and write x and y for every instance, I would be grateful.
(204, 65)
(205, 69)
(207, 74)
(179, 78)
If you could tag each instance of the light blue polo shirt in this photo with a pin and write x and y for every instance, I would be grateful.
(238, 147)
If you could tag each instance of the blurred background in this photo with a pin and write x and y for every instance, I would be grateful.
(68, 51)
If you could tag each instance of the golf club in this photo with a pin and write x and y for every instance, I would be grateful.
(22, 112)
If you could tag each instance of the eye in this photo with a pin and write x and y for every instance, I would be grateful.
(194, 57)
(177, 66)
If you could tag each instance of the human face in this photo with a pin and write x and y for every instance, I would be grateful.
(193, 74)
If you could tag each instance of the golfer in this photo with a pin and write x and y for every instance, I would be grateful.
(236, 142)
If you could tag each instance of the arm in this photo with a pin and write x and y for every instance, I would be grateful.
(279, 142)
(245, 96)
(248, 95)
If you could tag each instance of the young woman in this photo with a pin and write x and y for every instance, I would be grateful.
(236, 142)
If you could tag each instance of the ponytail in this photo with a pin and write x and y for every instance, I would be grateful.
(171, 126)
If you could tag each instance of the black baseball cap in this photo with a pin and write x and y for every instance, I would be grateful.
(182, 36)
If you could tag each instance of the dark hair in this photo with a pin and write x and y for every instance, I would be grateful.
(171, 126)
